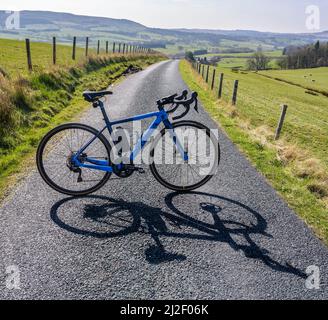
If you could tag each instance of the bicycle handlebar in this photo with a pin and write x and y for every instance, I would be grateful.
(178, 101)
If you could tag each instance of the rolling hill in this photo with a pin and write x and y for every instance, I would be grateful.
(43, 25)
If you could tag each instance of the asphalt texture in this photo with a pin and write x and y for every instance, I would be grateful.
(234, 238)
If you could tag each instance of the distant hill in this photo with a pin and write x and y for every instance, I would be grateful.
(43, 25)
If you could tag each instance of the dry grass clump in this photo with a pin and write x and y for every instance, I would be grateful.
(310, 168)
(233, 113)
(15, 101)
(263, 135)
(7, 108)
(289, 153)
(302, 164)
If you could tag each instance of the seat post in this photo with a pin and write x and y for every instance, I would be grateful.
(106, 118)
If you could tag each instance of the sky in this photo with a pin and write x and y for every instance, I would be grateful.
(261, 15)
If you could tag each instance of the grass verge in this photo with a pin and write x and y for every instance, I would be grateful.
(33, 105)
(302, 193)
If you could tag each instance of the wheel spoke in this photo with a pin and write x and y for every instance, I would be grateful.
(185, 175)
(56, 163)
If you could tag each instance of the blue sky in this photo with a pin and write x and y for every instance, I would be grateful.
(262, 15)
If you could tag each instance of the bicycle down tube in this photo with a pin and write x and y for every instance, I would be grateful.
(161, 117)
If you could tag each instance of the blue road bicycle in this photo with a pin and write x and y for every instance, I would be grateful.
(75, 159)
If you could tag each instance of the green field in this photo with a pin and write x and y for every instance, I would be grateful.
(314, 79)
(239, 60)
(41, 56)
(259, 101)
(271, 54)
(239, 63)
(297, 164)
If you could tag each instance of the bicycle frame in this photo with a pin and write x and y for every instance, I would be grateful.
(160, 117)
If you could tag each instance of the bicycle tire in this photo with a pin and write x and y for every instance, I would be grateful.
(162, 180)
(40, 159)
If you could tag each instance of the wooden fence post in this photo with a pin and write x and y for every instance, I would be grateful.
(203, 70)
(207, 73)
(221, 85)
(106, 47)
(98, 47)
(114, 47)
(28, 52)
(74, 48)
(213, 79)
(119, 48)
(281, 121)
(86, 46)
(235, 92)
(54, 51)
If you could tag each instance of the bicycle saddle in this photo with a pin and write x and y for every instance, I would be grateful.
(92, 96)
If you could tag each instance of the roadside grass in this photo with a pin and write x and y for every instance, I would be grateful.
(287, 164)
(44, 99)
(259, 103)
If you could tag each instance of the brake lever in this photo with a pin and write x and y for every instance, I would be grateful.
(183, 96)
(196, 106)
(183, 114)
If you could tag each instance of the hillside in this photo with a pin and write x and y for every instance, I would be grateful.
(42, 25)
(293, 164)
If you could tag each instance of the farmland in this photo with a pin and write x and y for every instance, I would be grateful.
(313, 79)
(271, 54)
(169, 41)
(41, 56)
(239, 60)
(297, 164)
(259, 100)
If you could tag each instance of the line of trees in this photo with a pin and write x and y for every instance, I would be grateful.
(309, 56)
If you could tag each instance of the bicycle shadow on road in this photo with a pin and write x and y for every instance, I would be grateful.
(216, 219)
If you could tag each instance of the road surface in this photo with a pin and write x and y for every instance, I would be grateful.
(235, 238)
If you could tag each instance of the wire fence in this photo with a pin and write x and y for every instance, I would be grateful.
(284, 113)
(102, 47)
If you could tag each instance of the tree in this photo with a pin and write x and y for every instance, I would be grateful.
(309, 56)
(317, 46)
(259, 61)
(190, 56)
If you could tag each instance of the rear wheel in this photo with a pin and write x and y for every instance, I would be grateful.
(176, 173)
(55, 153)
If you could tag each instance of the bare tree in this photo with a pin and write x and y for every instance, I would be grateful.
(259, 61)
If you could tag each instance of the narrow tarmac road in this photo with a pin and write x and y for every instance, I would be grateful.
(235, 238)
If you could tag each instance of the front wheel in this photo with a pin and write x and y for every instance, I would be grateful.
(188, 171)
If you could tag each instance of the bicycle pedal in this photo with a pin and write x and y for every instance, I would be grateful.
(133, 168)
(141, 170)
